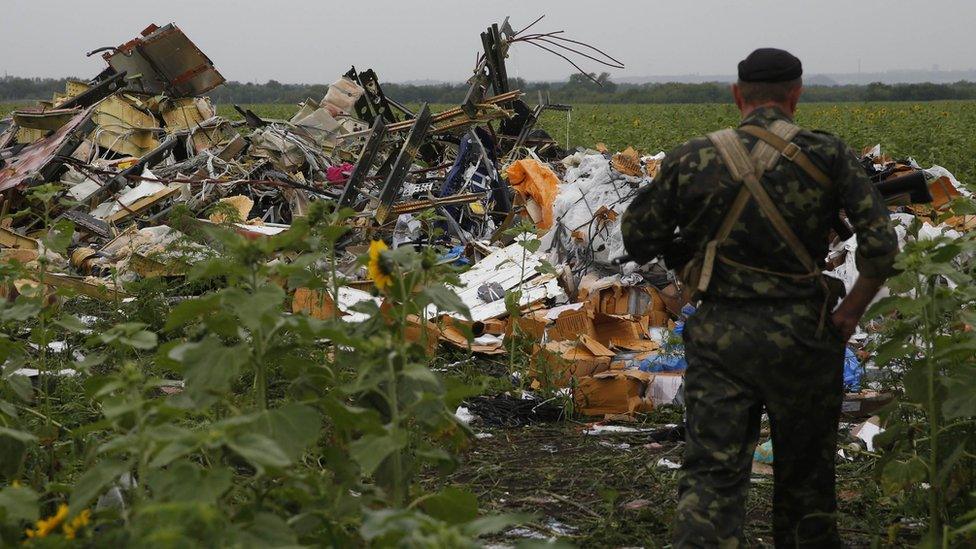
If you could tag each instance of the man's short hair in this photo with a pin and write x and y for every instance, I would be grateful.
(767, 92)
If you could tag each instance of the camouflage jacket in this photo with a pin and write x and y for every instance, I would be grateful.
(693, 191)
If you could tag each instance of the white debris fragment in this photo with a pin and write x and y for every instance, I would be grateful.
(34, 372)
(464, 415)
(591, 186)
(665, 463)
(620, 446)
(868, 430)
(510, 267)
(604, 429)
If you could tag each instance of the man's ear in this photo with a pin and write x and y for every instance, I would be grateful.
(795, 97)
(737, 96)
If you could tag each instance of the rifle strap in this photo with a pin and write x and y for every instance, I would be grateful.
(788, 149)
(764, 154)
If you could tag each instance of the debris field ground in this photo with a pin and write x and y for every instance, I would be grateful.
(597, 488)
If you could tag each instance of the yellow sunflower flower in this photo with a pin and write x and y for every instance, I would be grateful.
(77, 523)
(50, 524)
(375, 268)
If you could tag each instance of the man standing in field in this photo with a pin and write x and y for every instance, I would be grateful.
(745, 216)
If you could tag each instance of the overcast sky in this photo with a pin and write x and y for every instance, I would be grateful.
(316, 40)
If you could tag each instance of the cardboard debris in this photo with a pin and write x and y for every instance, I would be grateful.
(241, 204)
(627, 162)
(611, 327)
(316, 304)
(454, 332)
(643, 345)
(497, 326)
(609, 296)
(614, 392)
(673, 298)
(422, 333)
(572, 324)
(558, 363)
(530, 325)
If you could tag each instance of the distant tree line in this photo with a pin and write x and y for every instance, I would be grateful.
(577, 89)
(14, 88)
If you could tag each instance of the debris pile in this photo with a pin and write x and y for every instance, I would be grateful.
(140, 139)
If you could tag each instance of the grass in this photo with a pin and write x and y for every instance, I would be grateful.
(942, 133)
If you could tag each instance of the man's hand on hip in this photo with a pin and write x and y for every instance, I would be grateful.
(850, 311)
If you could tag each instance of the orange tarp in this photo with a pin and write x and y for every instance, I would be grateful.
(532, 179)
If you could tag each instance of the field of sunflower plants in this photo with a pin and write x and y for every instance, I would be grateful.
(934, 132)
(284, 431)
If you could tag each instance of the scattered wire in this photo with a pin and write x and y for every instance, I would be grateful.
(554, 39)
(530, 25)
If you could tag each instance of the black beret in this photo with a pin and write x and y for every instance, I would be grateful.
(770, 65)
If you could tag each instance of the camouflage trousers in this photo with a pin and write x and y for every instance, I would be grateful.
(744, 356)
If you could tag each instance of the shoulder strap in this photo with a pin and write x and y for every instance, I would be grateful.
(711, 248)
(789, 150)
(764, 154)
(741, 167)
(764, 157)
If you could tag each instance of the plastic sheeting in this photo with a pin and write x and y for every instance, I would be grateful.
(847, 271)
(852, 371)
(581, 232)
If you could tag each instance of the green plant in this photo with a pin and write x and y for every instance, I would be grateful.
(284, 430)
(519, 342)
(928, 444)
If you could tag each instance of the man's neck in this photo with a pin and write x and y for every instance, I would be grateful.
(747, 110)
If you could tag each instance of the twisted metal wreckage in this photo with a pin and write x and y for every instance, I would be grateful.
(140, 138)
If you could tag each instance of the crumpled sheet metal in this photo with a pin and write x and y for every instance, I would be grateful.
(30, 164)
(168, 62)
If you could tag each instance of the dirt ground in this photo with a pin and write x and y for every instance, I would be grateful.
(617, 490)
